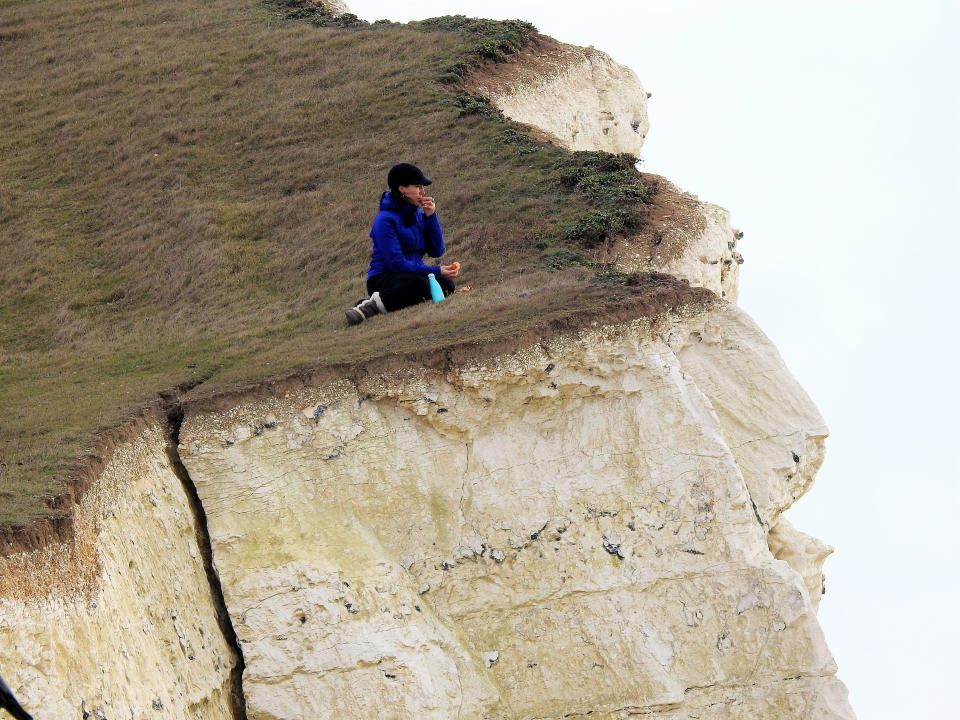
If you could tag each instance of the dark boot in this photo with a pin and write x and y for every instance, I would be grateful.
(365, 309)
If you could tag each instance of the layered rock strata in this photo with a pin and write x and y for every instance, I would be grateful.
(580, 527)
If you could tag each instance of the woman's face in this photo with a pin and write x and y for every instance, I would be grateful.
(412, 193)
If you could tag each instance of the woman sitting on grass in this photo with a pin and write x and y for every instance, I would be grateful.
(405, 229)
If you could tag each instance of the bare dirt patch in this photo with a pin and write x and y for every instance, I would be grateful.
(541, 57)
(668, 223)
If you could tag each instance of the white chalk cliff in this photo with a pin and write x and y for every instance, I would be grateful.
(577, 527)
(579, 96)
(120, 622)
(588, 525)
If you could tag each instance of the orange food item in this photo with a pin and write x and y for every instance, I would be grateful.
(455, 266)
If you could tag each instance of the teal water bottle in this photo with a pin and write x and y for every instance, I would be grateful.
(436, 292)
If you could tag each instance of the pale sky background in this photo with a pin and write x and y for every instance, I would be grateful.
(830, 132)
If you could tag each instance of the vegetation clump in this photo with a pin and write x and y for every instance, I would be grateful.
(560, 259)
(608, 275)
(476, 104)
(492, 40)
(614, 188)
(317, 13)
(523, 142)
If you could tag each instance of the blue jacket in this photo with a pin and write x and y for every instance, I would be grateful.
(401, 236)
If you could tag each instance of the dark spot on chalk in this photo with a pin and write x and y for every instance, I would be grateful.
(417, 608)
(549, 367)
(335, 454)
(303, 619)
(796, 458)
(442, 410)
(693, 552)
(612, 548)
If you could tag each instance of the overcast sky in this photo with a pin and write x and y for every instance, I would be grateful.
(830, 132)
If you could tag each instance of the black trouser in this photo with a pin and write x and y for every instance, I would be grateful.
(402, 289)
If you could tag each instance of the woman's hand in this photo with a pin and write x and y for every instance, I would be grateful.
(428, 206)
(450, 271)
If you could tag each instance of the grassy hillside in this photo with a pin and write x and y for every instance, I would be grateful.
(186, 188)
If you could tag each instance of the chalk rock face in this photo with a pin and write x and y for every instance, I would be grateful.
(692, 239)
(803, 553)
(334, 6)
(580, 96)
(578, 527)
(121, 623)
(771, 426)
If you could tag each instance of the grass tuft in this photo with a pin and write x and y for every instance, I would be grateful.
(492, 40)
(613, 186)
(560, 259)
(475, 104)
(317, 14)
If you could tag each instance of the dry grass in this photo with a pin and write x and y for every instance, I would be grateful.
(187, 189)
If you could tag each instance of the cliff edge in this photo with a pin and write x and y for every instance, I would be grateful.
(580, 521)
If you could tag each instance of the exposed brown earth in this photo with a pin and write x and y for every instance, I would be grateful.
(668, 223)
(542, 56)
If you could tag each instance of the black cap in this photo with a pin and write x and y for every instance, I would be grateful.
(406, 174)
